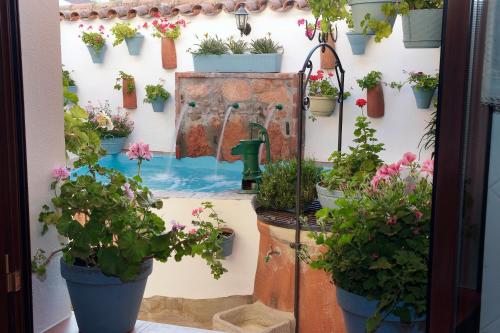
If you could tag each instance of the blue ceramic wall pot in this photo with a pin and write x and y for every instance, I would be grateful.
(357, 41)
(104, 303)
(134, 44)
(158, 104)
(97, 56)
(423, 97)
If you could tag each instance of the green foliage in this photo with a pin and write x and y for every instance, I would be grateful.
(277, 187)
(377, 244)
(371, 80)
(322, 85)
(210, 45)
(236, 46)
(121, 31)
(329, 11)
(67, 79)
(428, 140)
(419, 80)
(130, 82)
(353, 168)
(94, 40)
(80, 136)
(264, 45)
(153, 91)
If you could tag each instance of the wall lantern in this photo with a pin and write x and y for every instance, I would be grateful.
(241, 20)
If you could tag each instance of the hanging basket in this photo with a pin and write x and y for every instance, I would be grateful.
(129, 99)
(168, 53)
(422, 28)
(375, 102)
(321, 106)
(97, 56)
(360, 8)
(423, 97)
(357, 41)
(134, 44)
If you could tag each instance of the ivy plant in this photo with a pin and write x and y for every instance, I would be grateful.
(122, 31)
(371, 80)
(329, 11)
(122, 76)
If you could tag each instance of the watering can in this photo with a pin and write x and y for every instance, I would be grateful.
(249, 150)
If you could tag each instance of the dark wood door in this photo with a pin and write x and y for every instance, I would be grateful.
(15, 281)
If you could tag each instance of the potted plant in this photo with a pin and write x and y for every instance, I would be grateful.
(374, 93)
(373, 17)
(423, 86)
(132, 37)
(351, 169)
(126, 83)
(168, 32)
(208, 218)
(112, 236)
(95, 42)
(68, 81)
(323, 94)
(277, 187)
(113, 128)
(157, 96)
(376, 248)
(216, 55)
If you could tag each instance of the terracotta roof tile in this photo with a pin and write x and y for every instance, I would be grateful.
(127, 9)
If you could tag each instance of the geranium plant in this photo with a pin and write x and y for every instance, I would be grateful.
(128, 78)
(121, 31)
(108, 123)
(321, 84)
(353, 168)
(96, 40)
(371, 80)
(155, 91)
(377, 240)
(109, 222)
(163, 28)
(419, 80)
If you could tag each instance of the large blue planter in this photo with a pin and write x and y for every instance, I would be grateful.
(422, 28)
(158, 104)
(358, 309)
(357, 41)
(134, 44)
(113, 145)
(423, 97)
(360, 8)
(238, 63)
(97, 57)
(104, 303)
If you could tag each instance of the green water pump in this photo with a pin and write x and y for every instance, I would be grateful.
(249, 150)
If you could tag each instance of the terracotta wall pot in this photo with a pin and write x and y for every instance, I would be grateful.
(375, 102)
(168, 53)
(129, 99)
(327, 59)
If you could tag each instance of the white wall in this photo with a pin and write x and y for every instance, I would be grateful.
(400, 129)
(45, 143)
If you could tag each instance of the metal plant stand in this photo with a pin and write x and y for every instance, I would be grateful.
(304, 77)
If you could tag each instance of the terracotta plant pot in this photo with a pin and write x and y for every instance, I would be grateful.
(375, 102)
(168, 53)
(129, 99)
(327, 59)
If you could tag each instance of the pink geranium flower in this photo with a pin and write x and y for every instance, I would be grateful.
(60, 173)
(408, 158)
(418, 214)
(139, 151)
(428, 167)
(301, 22)
(197, 211)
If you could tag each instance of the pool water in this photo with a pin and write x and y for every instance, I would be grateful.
(166, 173)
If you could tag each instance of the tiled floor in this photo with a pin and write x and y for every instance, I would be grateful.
(69, 326)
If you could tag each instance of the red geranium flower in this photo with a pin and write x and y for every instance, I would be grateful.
(313, 77)
(361, 102)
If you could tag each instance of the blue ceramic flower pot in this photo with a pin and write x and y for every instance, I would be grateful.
(97, 56)
(357, 309)
(227, 243)
(422, 28)
(357, 41)
(158, 104)
(113, 145)
(72, 89)
(423, 97)
(134, 44)
(104, 303)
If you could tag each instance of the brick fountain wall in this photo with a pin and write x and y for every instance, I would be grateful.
(256, 93)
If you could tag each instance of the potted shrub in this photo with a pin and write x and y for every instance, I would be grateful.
(423, 86)
(374, 93)
(213, 54)
(351, 169)
(168, 32)
(376, 248)
(323, 94)
(132, 37)
(113, 128)
(277, 186)
(112, 236)
(156, 95)
(95, 42)
(126, 83)
(208, 218)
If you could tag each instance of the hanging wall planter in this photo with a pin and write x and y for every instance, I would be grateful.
(168, 53)
(158, 104)
(422, 28)
(128, 88)
(327, 59)
(134, 44)
(360, 8)
(357, 41)
(375, 102)
(423, 97)
(357, 309)
(97, 56)
(156, 95)
(322, 106)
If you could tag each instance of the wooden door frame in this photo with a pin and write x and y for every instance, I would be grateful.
(15, 307)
